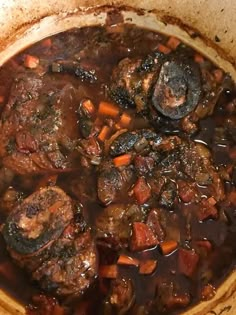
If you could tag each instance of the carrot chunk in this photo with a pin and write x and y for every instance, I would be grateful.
(125, 120)
(31, 61)
(104, 133)
(47, 42)
(147, 267)
(198, 58)
(162, 48)
(1, 98)
(108, 109)
(168, 247)
(127, 260)
(142, 191)
(108, 271)
(142, 237)
(88, 106)
(187, 261)
(173, 43)
(122, 160)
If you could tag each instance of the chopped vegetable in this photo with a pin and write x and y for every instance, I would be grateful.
(187, 261)
(125, 120)
(127, 260)
(142, 191)
(173, 43)
(168, 247)
(47, 42)
(108, 271)
(31, 61)
(122, 160)
(198, 58)
(147, 267)
(204, 244)
(2, 98)
(103, 135)
(108, 109)
(162, 48)
(88, 106)
(142, 237)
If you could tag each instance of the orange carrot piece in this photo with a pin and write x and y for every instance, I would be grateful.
(125, 120)
(127, 260)
(1, 98)
(108, 271)
(108, 109)
(198, 58)
(55, 206)
(88, 106)
(122, 160)
(31, 62)
(47, 42)
(162, 48)
(211, 201)
(118, 126)
(218, 74)
(103, 133)
(173, 43)
(167, 247)
(147, 267)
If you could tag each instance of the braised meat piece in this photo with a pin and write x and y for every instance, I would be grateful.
(44, 235)
(177, 90)
(172, 86)
(112, 180)
(38, 127)
(29, 226)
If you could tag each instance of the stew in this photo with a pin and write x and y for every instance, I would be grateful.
(118, 174)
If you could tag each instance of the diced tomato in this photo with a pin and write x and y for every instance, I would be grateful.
(153, 221)
(142, 191)
(142, 237)
(187, 261)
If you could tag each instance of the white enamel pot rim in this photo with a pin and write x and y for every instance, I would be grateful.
(24, 22)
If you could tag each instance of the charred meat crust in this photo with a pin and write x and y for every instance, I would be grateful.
(177, 90)
(39, 219)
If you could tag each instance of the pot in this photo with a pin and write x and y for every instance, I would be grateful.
(207, 25)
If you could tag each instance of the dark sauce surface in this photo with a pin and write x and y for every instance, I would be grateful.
(103, 49)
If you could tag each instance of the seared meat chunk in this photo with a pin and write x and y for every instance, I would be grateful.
(111, 181)
(173, 87)
(38, 220)
(177, 90)
(41, 237)
(38, 127)
(71, 266)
